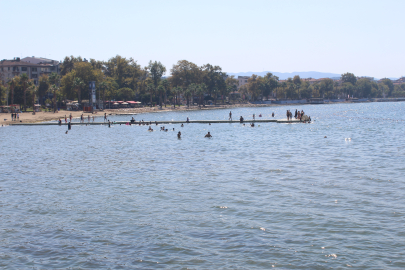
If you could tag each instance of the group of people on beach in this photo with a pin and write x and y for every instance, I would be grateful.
(15, 116)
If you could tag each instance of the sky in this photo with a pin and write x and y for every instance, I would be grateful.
(336, 36)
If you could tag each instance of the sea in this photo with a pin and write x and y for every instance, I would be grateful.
(329, 194)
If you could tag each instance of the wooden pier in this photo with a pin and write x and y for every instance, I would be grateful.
(280, 121)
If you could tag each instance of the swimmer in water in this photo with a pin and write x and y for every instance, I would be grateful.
(208, 135)
(150, 128)
(179, 135)
(182, 125)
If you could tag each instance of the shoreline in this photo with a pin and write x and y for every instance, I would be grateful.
(40, 117)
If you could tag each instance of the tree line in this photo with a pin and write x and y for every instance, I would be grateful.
(122, 78)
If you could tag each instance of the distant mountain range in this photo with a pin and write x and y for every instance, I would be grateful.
(286, 75)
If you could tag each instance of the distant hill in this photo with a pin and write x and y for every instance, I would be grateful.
(286, 75)
(304, 74)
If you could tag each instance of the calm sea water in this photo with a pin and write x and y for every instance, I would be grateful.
(276, 195)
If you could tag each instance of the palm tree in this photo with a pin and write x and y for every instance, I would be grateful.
(176, 92)
(33, 89)
(284, 86)
(54, 80)
(12, 84)
(160, 91)
(103, 86)
(24, 80)
(200, 91)
(78, 84)
(165, 84)
(54, 88)
(150, 88)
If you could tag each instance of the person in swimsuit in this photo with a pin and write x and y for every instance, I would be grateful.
(208, 135)
(230, 116)
(179, 135)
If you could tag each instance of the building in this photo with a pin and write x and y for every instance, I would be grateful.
(242, 80)
(33, 67)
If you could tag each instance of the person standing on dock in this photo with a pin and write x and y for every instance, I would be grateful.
(65, 119)
(230, 116)
(105, 116)
(70, 116)
(288, 115)
(254, 116)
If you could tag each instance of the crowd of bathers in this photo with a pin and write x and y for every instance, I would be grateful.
(298, 115)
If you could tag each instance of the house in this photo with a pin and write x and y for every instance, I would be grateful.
(242, 80)
(34, 68)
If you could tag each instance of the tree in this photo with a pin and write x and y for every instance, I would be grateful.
(349, 77)
(150, 88)
(125, 93)
(184, 73)
(231, 84)
(78, 84)
(157, 70)
(34, 90)
(103, 86)
(253, 86)
(160, 91)
(3, 91)
(176, 91)
(54, 81)
(325, 87)
(214, 79)
(363, 87)
(348, 88)
(166, 86)
(43, 86)
(68, 64)
(390, 85)
(270, 82)
(24, 81)
(12, 84)
(200, 91)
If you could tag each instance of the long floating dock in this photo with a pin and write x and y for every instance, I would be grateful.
(280, 121)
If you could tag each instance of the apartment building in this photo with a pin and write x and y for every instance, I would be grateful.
(242, 80)
(33, 67)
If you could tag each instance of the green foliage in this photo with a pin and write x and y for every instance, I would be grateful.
(389, 84)
(349, 78)
(3, 94)
(363, 88)
(43, 86)
(125, 94)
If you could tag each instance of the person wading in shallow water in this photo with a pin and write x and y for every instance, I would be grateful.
(208, 135)
(179, 135)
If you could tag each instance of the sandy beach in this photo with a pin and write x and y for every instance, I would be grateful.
(28, 117)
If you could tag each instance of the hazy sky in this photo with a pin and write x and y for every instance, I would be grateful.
(363, 37)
